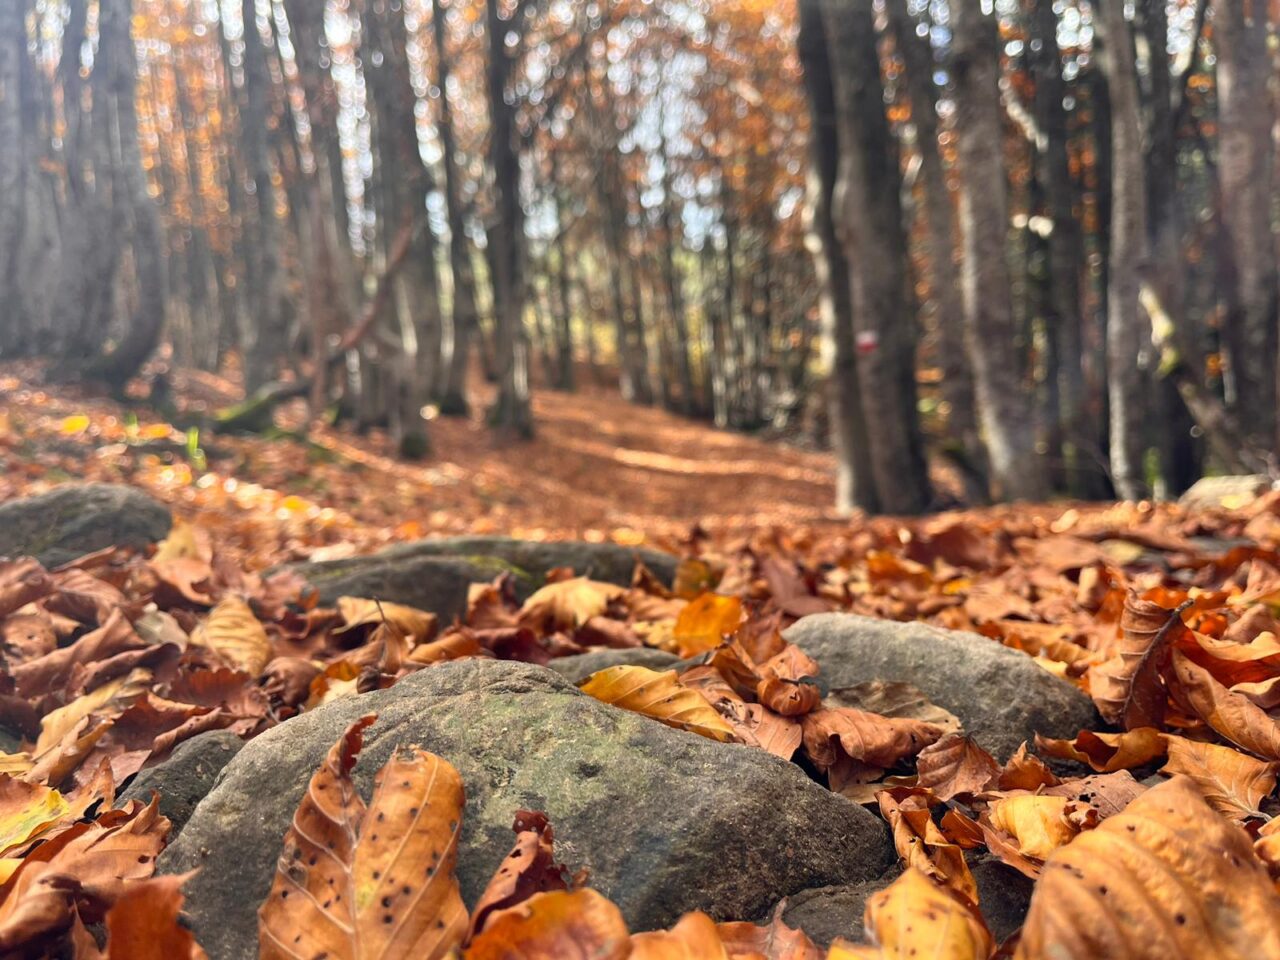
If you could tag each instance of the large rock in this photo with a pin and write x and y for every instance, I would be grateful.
(434, 574)
(826, 913)
(580, 666)
(665, 821)
(78, 518)
(186, 776)
(1000, 695)
(1233, 491)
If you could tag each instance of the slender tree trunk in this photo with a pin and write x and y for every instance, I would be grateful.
(463, 319)
(266, 336)
(855, 486)
(1125, 382)
(1017, 471)
(670, 241)
(944, 275)
(1066, 250)
(1246, 161)
(512, 412)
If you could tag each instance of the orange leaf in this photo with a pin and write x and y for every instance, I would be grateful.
(555, 925)
(658, 696)
(705, 622)
(955, 766)
(1232, 715)
(1107, 752)
(694, 937)
(143, 923)
(868, 737)
(1233, 783)
(1127, 688)
(914, 918)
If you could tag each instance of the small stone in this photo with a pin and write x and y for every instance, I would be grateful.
(78, 518)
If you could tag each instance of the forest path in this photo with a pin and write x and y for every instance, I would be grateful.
(599, 468)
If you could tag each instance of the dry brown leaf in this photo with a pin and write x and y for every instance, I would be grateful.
(1041, 824)
(694, 937)
(234, 633)
(704, 623)
(568, 604)
(1107, 752)
(955, 766)
(143, 923)
(529, 868)
(658, 695)
(1232, 715)
(1169, 877)
(867, 737)
(920, 844)
(555, 925)
(892, 698)
(417, 626)
(1232, 782)
(1127, 689)
(916, 919)
(771, 941)
(26, 811)
(1025, 771)
(369, 883)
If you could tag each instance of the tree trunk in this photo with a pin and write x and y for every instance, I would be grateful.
(1125, 383)
(1017, 471)
(855, 486)
(944, 276)
(867, 209)
(265, 338)
(1245, 148)
(511, 413)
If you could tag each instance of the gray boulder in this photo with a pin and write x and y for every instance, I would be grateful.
(78, 518)
(665, 821)
(186, 776)
(1209, 492)
(1000, 695)
(826, 913)
(577, 668)
(434, 574)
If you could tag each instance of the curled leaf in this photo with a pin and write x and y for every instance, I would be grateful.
(659, 696)
(1232, 782)
(867, 737)
(1234, 716)
(1107, 752)
(552, 925)
(1168, 877)
(955, 766)
(1127, 689)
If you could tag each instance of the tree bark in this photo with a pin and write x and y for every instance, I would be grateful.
(511, 413)
(867, 211)
(1246, 155)
(855, 486)
(1125, 383)
(944, 275)
(264, 340)
(1017, 471)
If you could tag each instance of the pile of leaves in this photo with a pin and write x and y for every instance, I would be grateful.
(1168, 619)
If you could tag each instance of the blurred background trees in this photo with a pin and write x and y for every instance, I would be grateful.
(1028, 243)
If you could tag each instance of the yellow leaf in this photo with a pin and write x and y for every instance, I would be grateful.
(1107, 752)
(15, 763)
(1041, 824)
(1233, 783)
(180, 544)
(660, 697)
(112, 699)
(1167, 877)
(913, 919)
(78, 423)
(417, 625)
(570, 603)
(552, 926)
(370, 882)
(26, 810)
(234, 633)
(704, 623)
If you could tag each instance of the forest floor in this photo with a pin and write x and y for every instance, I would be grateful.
(599, 469)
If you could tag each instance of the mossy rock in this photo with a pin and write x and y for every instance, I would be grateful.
(434, 574)
(78, 518)
(665, 821)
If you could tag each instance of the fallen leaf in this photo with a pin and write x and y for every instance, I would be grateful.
(771, 941)
(1107, 752)
(26, 811)
(868, 737)
(418, 626)
(529, 868)
(550, 926)
(1127, 689)
(234, 633)
(372, 882)
(892, 698)
(694, 937)
(569, 604)
(1041, 824)
(914, 919)
(1169, 877)
(922, 845)
(704, 623)
(1232, 715)
(658, 696)
(143, 923)
(1232, 782)
(955, 766)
